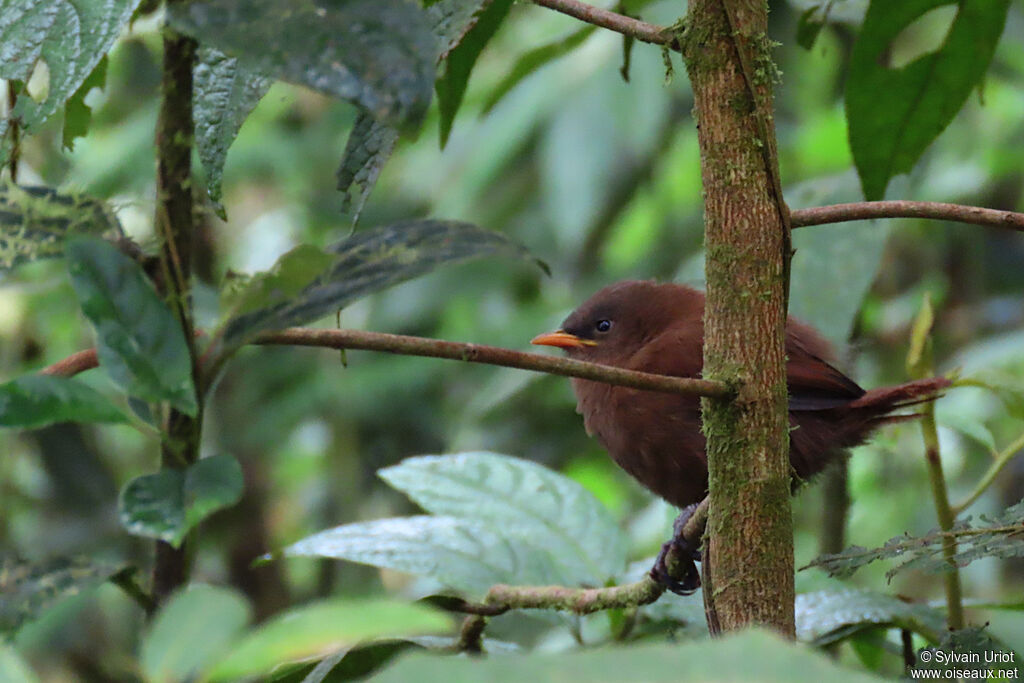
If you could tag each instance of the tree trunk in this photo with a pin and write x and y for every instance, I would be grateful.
(746, 236)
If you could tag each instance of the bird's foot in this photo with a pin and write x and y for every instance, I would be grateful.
(686, 579)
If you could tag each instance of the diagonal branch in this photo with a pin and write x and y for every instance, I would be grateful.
(492, 355)
(627, 26)
(437, 348)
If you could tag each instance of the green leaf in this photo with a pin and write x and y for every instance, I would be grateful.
(922, 97)
(527, 501)
(166, 505)
(35, 222)
(823, 617)
(139, 341)
(292, 273)
(379, 54)
(811, 21)
(535, 59)
(224, 94)
(77, 114)
(368, 148)
(70, 38)
(194, 629)
(14, 669)
(451, 84)
(27, 589)
(37, 400)
(833, 253)
(464, 554)
(747, 656)
(369, 261)
(322, 628)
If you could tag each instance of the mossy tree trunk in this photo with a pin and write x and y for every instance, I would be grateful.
(750, 552)
(176, 226)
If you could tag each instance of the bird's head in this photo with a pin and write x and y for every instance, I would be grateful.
(618, 320)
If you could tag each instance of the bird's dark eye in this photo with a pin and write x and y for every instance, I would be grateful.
(603, 325)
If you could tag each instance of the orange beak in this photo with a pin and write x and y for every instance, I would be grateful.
(562, 340)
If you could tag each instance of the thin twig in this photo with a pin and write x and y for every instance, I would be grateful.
(502, 598)
(73, 364)
(492, 355)
(1002, 460)
(437, 348)
(858, 211)
(627, 26)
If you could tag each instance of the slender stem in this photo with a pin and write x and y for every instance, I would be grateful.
(920, 364)
(840, 213)
(951, 578)
(1001, 461)
(14, 130)
(627, 26)
(491, 355)
(125, 580)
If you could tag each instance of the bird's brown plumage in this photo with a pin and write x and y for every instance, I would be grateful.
(656, 437)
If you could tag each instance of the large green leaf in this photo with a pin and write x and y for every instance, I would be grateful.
(379, 54)
(825, 616)
(139, 341)
(69, 37)
(451, 84)
(464, 554)
(223, 95)
(747, 656)
(323, 628)
(536, 505)
(888, 135)
(193, 630)
(38, 400)
(369, 261)
(28, 589)
(35, 222)
(166, 505)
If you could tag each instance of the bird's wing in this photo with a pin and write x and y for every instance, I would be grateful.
(677, 352)
(812, 381)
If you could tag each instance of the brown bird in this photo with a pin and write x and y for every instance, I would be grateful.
(656, 437)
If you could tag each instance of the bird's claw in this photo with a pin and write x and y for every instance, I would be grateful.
(685, 554)
(690, 580)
